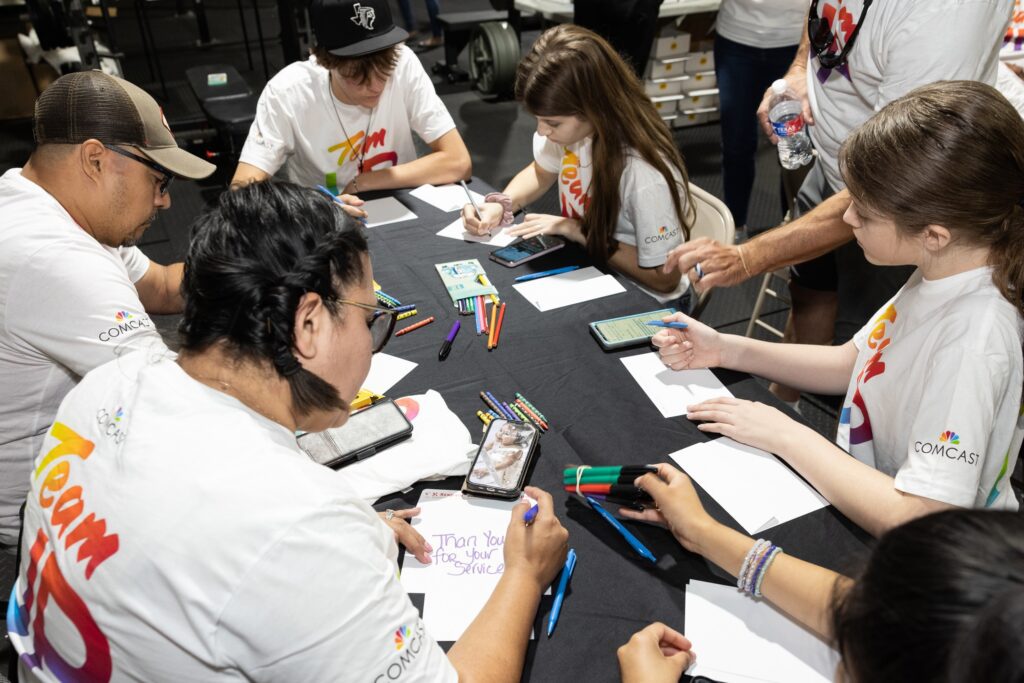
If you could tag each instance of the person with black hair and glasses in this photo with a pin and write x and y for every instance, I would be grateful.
(855, 56)
(74, 290)
(183, 535)
(940, 599)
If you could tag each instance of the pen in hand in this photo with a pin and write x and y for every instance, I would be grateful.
(469, 196)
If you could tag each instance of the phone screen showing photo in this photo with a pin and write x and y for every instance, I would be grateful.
(503, 455)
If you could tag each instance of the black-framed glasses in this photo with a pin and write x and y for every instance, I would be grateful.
(819, 31)
(165, 182)
(381, 324)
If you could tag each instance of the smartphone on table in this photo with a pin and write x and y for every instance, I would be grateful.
(366, 433)
(522, 251)
(503, 459)
(627, 330)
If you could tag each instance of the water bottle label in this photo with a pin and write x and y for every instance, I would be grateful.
(788, 126)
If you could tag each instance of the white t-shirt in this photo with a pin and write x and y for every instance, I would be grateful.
(762, 23)
(903, 45)
(301, 125)
(647, 218)
(67, 305)
(936, 398)
(213, 549)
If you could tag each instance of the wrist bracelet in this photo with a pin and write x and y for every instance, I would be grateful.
(759, 545)
(507, 216)
(764, 570)
(743, 261)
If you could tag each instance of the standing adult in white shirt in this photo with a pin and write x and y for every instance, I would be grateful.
(74, 292)
(344, 118)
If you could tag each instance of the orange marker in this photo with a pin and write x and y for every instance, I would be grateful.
(491, 341)
(497, 333)
(415, 326)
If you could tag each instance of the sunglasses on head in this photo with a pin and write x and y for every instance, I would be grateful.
(381, 324)
(165, 182)
(819, 31)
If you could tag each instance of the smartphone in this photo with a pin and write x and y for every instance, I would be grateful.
(525, 250)
(628, 330)
(366, 433)
(503, 459)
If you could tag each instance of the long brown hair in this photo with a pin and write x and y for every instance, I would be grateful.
(571, 71)
(952, 154)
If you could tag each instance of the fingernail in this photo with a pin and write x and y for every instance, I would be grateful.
(430, 548)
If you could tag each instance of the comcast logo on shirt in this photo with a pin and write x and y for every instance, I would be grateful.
(947, 446)
(123, 315)
(663, 234)
(126, 324)
(401, 634)
(408, 645)
(110, 423)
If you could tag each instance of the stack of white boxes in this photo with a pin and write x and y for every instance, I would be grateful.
(681, 83)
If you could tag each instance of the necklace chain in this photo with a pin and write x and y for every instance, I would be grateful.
(369, 123)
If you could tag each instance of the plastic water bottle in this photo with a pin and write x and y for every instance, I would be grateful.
(784, 112)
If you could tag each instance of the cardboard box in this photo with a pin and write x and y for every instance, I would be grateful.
(699, 99)
(670, 86)
(668, 68)
(675, 44)
(666, 105)
(704, 80)
(693, 117)
(697, 62)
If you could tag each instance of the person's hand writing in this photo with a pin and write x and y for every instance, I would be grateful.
(487, 223)
(797, 80)
(353, 205)
(698, 346)
(749, 422)
(655, 654)
(677, 506)
(536, 551)
(544, 224)
(407, 536)
(721, 264)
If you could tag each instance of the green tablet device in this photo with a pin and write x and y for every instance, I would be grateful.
(628, 330)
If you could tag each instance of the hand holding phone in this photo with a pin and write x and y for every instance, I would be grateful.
(499, 469)
(522, 251)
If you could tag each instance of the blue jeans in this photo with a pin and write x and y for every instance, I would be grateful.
(743, 73)
(433, 9)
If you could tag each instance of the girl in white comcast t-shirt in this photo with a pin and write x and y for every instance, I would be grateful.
(932, 414)
(622, 185)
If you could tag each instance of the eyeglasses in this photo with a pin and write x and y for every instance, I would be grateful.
(165, 182)
(381, 324)
(819, 31)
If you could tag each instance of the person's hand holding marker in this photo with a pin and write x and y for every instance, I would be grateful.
(536, 550)
(655, 654)
(676, 506)
(482, 220)
(697, 346)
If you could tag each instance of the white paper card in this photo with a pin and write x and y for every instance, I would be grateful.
(468, 536)
(446, 197)
(386, 210)
(386, 371)
(457, 232)
(739, 638)
(549, 293)
(752, 485)
(672, 390)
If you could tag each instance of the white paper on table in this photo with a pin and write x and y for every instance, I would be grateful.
(447, 198)
(566, 289)
(753, 486)
(672, 390)
(740, 638)
(386, 210)
(468, 536)
(457, 232)
(386, 371)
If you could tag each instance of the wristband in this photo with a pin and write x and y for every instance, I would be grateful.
(507, 216)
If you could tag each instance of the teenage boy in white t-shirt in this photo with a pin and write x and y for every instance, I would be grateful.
(344, 118)
(74, 292)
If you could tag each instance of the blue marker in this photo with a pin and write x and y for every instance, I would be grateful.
(545, 273)
(674, 326)
(339, 200)
(633, 541)
(497, 404)
(563, 583)
(531, 514)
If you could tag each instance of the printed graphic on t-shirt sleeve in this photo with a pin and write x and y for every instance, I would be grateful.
(651, 212)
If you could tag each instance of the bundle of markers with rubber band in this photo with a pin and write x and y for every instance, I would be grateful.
(477, 307)
(404, 310)
(613, 484)
(519, 410)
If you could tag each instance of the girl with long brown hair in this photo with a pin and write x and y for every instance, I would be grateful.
(621, 181)
(932, 414)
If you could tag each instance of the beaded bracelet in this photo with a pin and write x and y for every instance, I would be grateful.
(764, 570)
(758, 568)
(508, 216)
(755, 549)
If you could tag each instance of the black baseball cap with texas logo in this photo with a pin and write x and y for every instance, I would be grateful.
(353, 28)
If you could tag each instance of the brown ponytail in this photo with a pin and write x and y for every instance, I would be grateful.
(952, 154)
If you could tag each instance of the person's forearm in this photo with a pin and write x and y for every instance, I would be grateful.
(494, 646)
(529, 185)
(803, 50)
(813, 234)
(800, 589)
(807, 367)
(624, 260)
(436, 168)
(160, 290)
(246, 174)
(862, 493)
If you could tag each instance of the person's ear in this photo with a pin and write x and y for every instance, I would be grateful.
(309, 321)
(91, 155)
(936, 237)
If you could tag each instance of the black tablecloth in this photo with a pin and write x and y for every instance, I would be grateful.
(598, 415)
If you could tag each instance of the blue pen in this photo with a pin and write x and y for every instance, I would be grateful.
(339, 200)
(674, 326)
(563, 583)
(531, 514)
(633, 541)
(545, 273)
(497, 403)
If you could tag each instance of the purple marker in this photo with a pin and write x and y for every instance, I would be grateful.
(446, 347)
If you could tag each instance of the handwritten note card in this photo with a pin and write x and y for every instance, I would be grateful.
(468, 536)
(455, 231)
